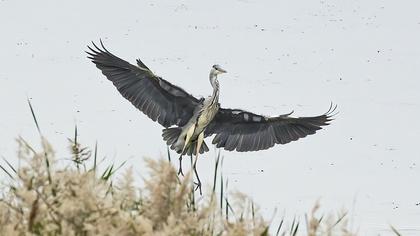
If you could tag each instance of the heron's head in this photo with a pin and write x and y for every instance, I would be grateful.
(216, 70)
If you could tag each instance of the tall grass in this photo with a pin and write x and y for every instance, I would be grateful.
(45, 198)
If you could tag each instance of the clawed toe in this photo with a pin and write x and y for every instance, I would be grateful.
(198, 187)
(180, 166)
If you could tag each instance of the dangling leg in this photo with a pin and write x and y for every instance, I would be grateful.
(180, 166)
(199, 143)
(190, 132)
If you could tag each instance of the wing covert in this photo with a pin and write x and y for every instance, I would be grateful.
(157, 98)
(245, 131)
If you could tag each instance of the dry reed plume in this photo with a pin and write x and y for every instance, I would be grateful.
(45, 199)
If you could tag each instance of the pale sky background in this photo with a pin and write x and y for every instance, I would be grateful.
(280, 55)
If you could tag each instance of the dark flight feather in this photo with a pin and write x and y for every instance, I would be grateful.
(157, 98)
(245, 131)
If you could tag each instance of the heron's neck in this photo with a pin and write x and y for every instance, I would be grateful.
(215, 84)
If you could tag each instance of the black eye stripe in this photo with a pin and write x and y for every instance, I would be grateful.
(217, 67)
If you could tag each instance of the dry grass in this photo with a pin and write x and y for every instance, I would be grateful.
(43, 198)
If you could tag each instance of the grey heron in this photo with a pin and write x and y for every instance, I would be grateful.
(188, 120)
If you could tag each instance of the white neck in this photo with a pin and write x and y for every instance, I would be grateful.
(215, 84)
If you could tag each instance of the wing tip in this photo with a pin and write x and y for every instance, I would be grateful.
(331, 113)
(96, 50)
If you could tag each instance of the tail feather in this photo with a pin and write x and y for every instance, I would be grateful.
(170, 135)
(193, 148)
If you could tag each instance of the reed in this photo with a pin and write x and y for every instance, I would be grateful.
(45, 197)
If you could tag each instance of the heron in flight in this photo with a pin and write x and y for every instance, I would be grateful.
(188, 120)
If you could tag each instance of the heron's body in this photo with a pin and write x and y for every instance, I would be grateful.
(193, 132)
(188, 120)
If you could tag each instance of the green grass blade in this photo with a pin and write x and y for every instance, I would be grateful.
(394, 230)
(168, 153)
(293, 226)
(10, 165)
(216, 165)
(34, 117)
(110, 171)
(75, 134)
(253, 213)
(265, 232)
(221, 191)
(296, 229)
(121, 165)
(95, 155)
(227, 202)
(337, 221)
(279, 227)
(105, 172)
(7, 172)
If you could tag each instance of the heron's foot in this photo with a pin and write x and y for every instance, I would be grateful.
(180, 166)
(180, 171)
(198, 187)
(198, 183)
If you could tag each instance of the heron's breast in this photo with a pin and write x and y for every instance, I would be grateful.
(207, 116)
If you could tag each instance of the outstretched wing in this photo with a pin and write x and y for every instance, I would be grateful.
(154, 96)
(245, 131)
